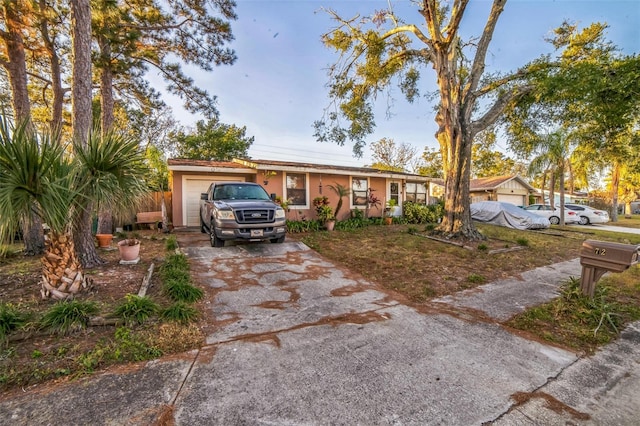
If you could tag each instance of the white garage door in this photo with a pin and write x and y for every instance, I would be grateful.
(518, 200)
(193, 187)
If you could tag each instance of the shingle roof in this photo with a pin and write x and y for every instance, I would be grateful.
(276, 165)
(491, 183)
(202, 163)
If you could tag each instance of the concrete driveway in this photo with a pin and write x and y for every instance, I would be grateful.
(296, 340)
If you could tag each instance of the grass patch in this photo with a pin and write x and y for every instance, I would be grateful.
(136, 309)
(67, 316)
(11, 319)
(476, 279)
(180, 312)
(181, 291)
(171, 243)
(399, 259)
(581, 322)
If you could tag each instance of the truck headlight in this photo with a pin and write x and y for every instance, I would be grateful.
(280, 214)
(225, 214)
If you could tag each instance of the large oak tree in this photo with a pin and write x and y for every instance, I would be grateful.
(382, 49)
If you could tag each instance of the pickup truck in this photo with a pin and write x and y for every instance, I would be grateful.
(240, 211)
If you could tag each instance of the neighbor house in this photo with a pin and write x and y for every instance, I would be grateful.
(298, 183)
(510, 189)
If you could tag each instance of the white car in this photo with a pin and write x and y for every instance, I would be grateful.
(589, 214)
(553, 213)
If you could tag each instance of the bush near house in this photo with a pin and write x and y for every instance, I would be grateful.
(420, 213)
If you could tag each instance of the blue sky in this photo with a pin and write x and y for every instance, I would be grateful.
(277, 86)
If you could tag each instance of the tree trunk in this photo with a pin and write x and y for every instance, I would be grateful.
(455, 146)
(62, 276)
(105, 222)
(16, 65)
(552, 190)
(84, 242)
(457, 168)
(615, 183)
(56, 73)
(33, 236)
(81, 73)
(561, 177)
(106, 87)
(82, 118)
(105, 218)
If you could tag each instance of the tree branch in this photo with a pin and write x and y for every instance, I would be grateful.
(477, 69)
(496, 110)
(457, 12)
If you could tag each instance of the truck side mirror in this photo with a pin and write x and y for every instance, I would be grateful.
(273, 197)
(204, 195)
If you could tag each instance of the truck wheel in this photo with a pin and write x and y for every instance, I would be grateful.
(278, 240)
(215, 241)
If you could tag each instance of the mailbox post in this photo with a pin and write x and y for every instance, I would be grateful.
(599, 257)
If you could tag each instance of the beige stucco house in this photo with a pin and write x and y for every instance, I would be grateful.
(299, 183)
(510, 189)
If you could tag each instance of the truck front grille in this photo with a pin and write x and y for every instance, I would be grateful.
(254, 216)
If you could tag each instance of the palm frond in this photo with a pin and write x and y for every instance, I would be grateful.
(113, 171)
(34, 171)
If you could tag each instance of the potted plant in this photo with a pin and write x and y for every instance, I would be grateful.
(389, 211)
(104, 240)
(326, 216)
(129, 249)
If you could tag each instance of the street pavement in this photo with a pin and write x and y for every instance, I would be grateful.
(298, 340)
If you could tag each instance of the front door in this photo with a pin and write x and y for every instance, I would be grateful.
(394, 194)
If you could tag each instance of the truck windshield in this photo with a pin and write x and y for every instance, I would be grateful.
(240, 192)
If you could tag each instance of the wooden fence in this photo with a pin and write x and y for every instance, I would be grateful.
(151, 203)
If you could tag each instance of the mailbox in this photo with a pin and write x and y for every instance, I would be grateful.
(599, 257)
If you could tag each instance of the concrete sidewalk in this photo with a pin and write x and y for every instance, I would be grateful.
(299, 340)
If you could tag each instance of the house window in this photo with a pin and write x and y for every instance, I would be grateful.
(416, 192)
(296, 189)
(359, 191)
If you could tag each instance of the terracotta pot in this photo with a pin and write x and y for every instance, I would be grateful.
(388, 220)
(330, 224)
(104, 240)
(129, 251)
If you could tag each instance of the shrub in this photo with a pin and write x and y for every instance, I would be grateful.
(177, 261)
(522, 242)
(171, 244)
(136, 309)
(68, 315)
(11, 319)
(181, 291)
(180, 312)
(419, 213)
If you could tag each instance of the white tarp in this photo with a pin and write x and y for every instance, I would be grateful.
(507, 214)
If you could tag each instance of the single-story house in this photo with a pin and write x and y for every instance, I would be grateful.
(510, 189)
(298, 183)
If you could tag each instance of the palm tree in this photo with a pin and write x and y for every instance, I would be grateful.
(38, 174)
(341, 191)
(554, 153)
(113, 167)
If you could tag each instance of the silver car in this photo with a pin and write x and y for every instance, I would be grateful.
(589, 214)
